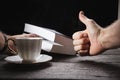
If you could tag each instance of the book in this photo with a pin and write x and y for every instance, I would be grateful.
(53, 41)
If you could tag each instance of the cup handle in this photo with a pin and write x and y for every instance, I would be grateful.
(9, 47)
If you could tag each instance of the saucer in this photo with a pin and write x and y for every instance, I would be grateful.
(17, 60)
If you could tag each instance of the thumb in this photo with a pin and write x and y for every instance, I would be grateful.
(90, 24)
(83, 18)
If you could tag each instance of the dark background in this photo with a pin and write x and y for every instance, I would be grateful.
(61, 15)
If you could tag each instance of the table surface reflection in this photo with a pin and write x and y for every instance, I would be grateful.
(104, 66)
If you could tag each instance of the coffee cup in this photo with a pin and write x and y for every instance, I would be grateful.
(28, 48)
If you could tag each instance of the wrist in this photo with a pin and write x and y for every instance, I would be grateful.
(1, 41)
(103, 39)
(4, 43)
(106, 39)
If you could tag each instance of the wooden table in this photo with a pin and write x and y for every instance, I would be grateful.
(105, 66)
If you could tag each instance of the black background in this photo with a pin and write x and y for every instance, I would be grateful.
(61, 15)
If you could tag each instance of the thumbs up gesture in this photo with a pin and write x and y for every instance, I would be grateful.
(88, 42)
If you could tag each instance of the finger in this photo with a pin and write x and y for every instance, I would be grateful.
(82, 53)
(33, 35)
(79, 34)
(83, 18)
(81, 47)
(30, 35)
(81, 41)
(90, 23)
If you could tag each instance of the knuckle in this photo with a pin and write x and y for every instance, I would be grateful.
(74, 42)
(76, 48)
(76, 35)
(91, 21)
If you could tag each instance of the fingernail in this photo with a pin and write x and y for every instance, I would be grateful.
(82, 12)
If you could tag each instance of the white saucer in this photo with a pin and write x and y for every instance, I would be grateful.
(16, 59)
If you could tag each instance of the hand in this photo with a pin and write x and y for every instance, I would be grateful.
(24, 35)
(88, 42)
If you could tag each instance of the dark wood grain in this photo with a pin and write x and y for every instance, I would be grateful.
(105, 66)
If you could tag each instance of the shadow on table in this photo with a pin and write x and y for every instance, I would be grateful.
(61, 57)
(112, 70)
(26, 67)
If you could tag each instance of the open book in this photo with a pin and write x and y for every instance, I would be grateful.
(53, 41)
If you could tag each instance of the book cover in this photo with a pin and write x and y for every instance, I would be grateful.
(53, 41)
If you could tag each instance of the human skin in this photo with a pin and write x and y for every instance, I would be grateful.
(95, 39)
(11, 44)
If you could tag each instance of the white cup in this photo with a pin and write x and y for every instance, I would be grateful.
(29, 48)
